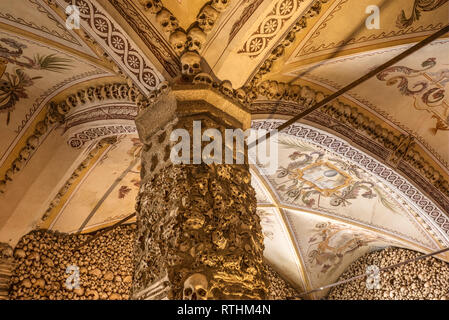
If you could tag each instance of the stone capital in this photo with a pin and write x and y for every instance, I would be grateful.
(188, 100)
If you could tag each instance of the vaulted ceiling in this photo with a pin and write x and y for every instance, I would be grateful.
(367, 171)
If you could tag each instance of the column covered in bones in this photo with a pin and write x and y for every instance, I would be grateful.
(198, 234)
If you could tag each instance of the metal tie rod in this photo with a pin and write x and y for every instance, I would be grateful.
(355, 83)
(97, 235)
(365, 275)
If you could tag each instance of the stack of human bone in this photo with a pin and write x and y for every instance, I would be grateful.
(47, 265)
(423, 279)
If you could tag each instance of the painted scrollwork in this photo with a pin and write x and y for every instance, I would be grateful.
(403, 22)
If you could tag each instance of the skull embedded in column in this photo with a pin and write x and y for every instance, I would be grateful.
(168, 21)
(190, 63)
(195, 39)
(207, 18)
(195, 287)
(220, 5)
(178, 41)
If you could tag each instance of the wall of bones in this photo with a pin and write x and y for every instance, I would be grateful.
(105, 264)
(36, 269)
(423, 279)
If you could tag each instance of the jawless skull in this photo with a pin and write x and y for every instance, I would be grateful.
(195, 287)
(190, 63)
(178, 41)
(220, 5)
(168, 21)
(207, 18)
(195, 39)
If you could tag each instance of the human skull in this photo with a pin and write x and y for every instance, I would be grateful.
(98, 92)
(263, 87)
(196, 39)
(207, 17)
(226, 88)
(71, 102)
(25, 153)
(240, 94)
(272, 90)
(123, 89)
(90, 92)
(294, 92)
(82, 96)
(154, 6)
(307, 95)
(63, 108)
(195, 287)
(289, 39)
(40, 128)
(18, 165)
(115, 92)
(33, 142)
(277, 52)
(190, 63)
(203, 78)
(6, 251)
(280, 91)
(178, 41)
(163, 87)
(220, 5)
(9, 174)
(168, 21)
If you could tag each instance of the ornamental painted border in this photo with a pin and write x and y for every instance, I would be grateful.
(116, 111)
(79, 139)
(125, 51)
(433, 214)
(272, 24)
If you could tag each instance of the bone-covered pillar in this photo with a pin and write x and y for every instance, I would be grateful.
(198, 234)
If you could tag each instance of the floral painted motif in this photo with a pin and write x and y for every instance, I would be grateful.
(123, 191)
(419, 5)
(13, 85)
(12, 89)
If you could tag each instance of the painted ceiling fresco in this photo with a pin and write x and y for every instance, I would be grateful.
(313, 179)
(107, 192)
(328, 203)
(333, 35)
(30, 72)
(35, 17)
(331, 211)
(418, 86)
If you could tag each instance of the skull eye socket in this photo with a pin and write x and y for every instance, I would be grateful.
(188, 291)
(196, 65)
(185, 67)
(202, 292)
